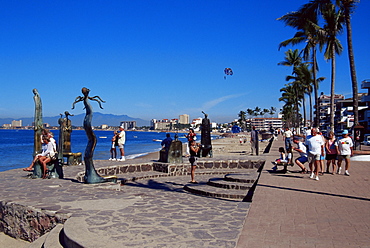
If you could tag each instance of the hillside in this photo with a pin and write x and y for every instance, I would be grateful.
(77, 120)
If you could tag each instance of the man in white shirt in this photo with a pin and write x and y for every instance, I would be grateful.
(121, 143)
(315, 145)
(344, 147)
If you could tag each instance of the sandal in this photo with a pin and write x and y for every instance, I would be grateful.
(304, 171)
(46, 174)
(195, 182)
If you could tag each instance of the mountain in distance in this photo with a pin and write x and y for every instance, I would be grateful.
(77, 120)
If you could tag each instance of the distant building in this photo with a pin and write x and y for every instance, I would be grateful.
(267, 123)
(16, 123)
(104, 126)
(344, 117)
(164, 124)
(128, 125)
(365, 122)
(184, 119)
(7, 125)
(324, 109)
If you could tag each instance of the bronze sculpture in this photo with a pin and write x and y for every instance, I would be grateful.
(91, 176)
(67, 133)
(206, 136)
(38, 125)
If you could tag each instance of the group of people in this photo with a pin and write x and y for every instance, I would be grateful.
(118, 140)
(315, 149)
(48, 152)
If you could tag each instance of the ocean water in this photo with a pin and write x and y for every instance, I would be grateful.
(16, 146)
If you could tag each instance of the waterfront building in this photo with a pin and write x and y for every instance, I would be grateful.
(128, 125)
(16, 123)
(164, 124)
(184, 119)
(267, 123)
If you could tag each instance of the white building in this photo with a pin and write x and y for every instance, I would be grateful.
(16, 123)
(184, 119)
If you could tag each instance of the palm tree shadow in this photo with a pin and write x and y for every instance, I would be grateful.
(315, 192)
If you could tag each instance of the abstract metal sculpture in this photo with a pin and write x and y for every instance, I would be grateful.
(91, 176)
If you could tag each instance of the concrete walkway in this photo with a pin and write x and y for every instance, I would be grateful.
(291, 210)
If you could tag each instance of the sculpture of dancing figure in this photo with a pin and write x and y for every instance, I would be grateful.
(37, 123)
(91, 176)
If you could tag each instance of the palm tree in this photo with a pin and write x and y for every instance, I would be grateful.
(333, 26)
(242, 119)
(305, 21)
(348, 7)
(292, 58)
(272, 111)
(291, 97)
(256, 111)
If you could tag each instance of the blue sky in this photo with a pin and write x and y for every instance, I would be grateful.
(156, 59)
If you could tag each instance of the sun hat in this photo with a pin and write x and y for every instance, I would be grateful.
(345, 131)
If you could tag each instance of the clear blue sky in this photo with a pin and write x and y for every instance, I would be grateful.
(156, 59)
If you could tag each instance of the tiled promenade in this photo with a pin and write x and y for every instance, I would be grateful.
(288, 210)
(291, 210)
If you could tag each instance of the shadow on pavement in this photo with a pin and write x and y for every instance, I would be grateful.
(315, 192)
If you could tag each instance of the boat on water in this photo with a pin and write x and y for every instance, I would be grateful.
(157, 140)
(102, 137)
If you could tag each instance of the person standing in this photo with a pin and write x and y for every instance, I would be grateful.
(166, 142)
(287, 136)
(190, 136)
(194, 153)
(121, 143)
(254, 141)
(315, 145)
(113, 151)
(331, 152)
(344, 147)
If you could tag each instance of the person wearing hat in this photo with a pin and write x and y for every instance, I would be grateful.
(344, 148)
(121, 143)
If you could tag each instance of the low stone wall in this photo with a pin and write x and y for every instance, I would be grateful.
(27, 223)
(174, 169)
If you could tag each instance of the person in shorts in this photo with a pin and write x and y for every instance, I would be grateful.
(315, 145)
(331, 152)
(121, 143)
(302, 150)
(344, 147)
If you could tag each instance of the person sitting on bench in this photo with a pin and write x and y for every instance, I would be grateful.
(47, 155)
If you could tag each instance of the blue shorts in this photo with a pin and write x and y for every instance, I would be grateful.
(302, 159)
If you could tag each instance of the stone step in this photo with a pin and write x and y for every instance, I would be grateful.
(222, 183)
(215, 192)
(50, 239)
(249, 177)
(53, 239)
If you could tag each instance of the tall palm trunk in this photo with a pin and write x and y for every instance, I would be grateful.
(352, 65)
(310, 98)
(332, 92)
(304, 110)
(315, 88)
